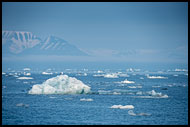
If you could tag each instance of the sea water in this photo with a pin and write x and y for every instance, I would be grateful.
(142, 101)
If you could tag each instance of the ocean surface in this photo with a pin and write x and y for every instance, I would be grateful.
(149, 98)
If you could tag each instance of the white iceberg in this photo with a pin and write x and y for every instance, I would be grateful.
(134, 87)
(26, 69)
(111, 76)
(116, 93)
(61, 84)
(130, 112)
(28, 74)
(25, 78)
(84, 99)
(22, 105)
(126, 82)
(123, 107)
(123, 75)
(156, 77)
(99, 71)
(3, 73)
(154, 94)
(46, 73)
(180, 69)
(98, 75)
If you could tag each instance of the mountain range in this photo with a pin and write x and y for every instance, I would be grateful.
(26, 43)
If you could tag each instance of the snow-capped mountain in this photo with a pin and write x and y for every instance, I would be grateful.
(24, 43)
(14, 42)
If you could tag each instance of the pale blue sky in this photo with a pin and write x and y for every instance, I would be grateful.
(133, 31)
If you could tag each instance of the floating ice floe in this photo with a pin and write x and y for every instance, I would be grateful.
(27, 73)
(175, 75)
(130, 112)
(134, 87)
(52, 97)
(25, 78)
(116, 93)
(104, 92)
(98, 75)
(123, 75)
(141, 78)
(153, 94)
(156, 77)
(22, 105)
(110, 76)
(84, 99)
(126, 81)
(11, 74)
(123, 107)
(80, 74)
(61, 84)
(139, 93)
(3, 73)
(180, 69)
(100, 71)
(26, 69)
(130, 69)
(47, 73)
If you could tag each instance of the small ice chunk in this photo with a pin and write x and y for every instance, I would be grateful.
(126, 82)
(47, 73)
(22, 105)
(123, 107)
(26, 69)
(27, 73)
(116, 93)
(156, 77)
(25, 78)
(130, 112)
(111, 76)
(84, 99)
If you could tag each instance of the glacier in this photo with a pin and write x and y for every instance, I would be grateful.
(61, 84)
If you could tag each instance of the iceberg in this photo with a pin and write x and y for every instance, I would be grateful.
(61, 84)
(98, 75)
(22, 105)
(123, 75)
(99, 71)
(180, 69)
(27, 73)
(26, 69)
(134, 87)
(25, 78)
(130, 112)
(156, 77)
(84, 99)
(126, 81)
(123, 107)
(110, 76)
(46, 73)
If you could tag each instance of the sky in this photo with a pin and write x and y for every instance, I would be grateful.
(118, 31)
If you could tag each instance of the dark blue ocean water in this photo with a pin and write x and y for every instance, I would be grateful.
(21, 108)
